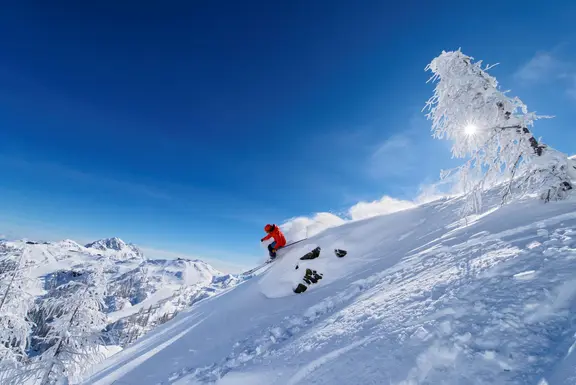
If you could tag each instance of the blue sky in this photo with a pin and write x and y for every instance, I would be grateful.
(186, 126)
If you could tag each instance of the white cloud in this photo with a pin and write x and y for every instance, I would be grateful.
(410, 153)
(385, 205)
(393, 157)
(396, 142)
(542, 67)
(547, 67)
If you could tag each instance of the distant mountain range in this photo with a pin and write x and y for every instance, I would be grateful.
(142, 293)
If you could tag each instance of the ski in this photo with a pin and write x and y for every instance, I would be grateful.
(255, 269)
(295, 242)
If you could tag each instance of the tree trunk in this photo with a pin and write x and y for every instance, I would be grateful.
(46, 376)
(538, 148)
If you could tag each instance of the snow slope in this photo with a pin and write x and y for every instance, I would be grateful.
(423, 297)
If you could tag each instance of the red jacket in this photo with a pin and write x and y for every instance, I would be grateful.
(277, 235)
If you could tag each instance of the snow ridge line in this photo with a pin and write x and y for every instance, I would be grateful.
(275, 335)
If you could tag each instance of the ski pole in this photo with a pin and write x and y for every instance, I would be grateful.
(293, 243)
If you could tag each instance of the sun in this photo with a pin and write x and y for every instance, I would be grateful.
(470, 129)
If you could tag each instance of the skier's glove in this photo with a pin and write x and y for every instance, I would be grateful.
(262, 240)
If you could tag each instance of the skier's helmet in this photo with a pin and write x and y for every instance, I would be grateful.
(268, 228)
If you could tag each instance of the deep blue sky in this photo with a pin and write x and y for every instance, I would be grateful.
(186, 126)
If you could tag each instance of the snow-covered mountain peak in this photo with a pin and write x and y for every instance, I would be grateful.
(116, 247)
(107, 244)
(68, 244)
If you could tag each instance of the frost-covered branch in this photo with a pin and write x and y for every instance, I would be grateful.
(74, 337)
(491, 130)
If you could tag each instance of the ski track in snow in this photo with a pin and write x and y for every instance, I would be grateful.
(127, 367)
(273, 336)
(147, 350)
(484, 301)
(317, 363)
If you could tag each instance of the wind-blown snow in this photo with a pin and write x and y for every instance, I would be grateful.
(304, 227)
(385, 205)
(423, 297)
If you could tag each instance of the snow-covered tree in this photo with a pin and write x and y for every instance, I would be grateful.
(491, 129)
(15, 302)
(133, 285)
(572, 167)
(73, 341)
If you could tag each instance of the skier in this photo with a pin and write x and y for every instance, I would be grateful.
(279, 240)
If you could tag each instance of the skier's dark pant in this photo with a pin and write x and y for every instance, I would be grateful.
(271, 251)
